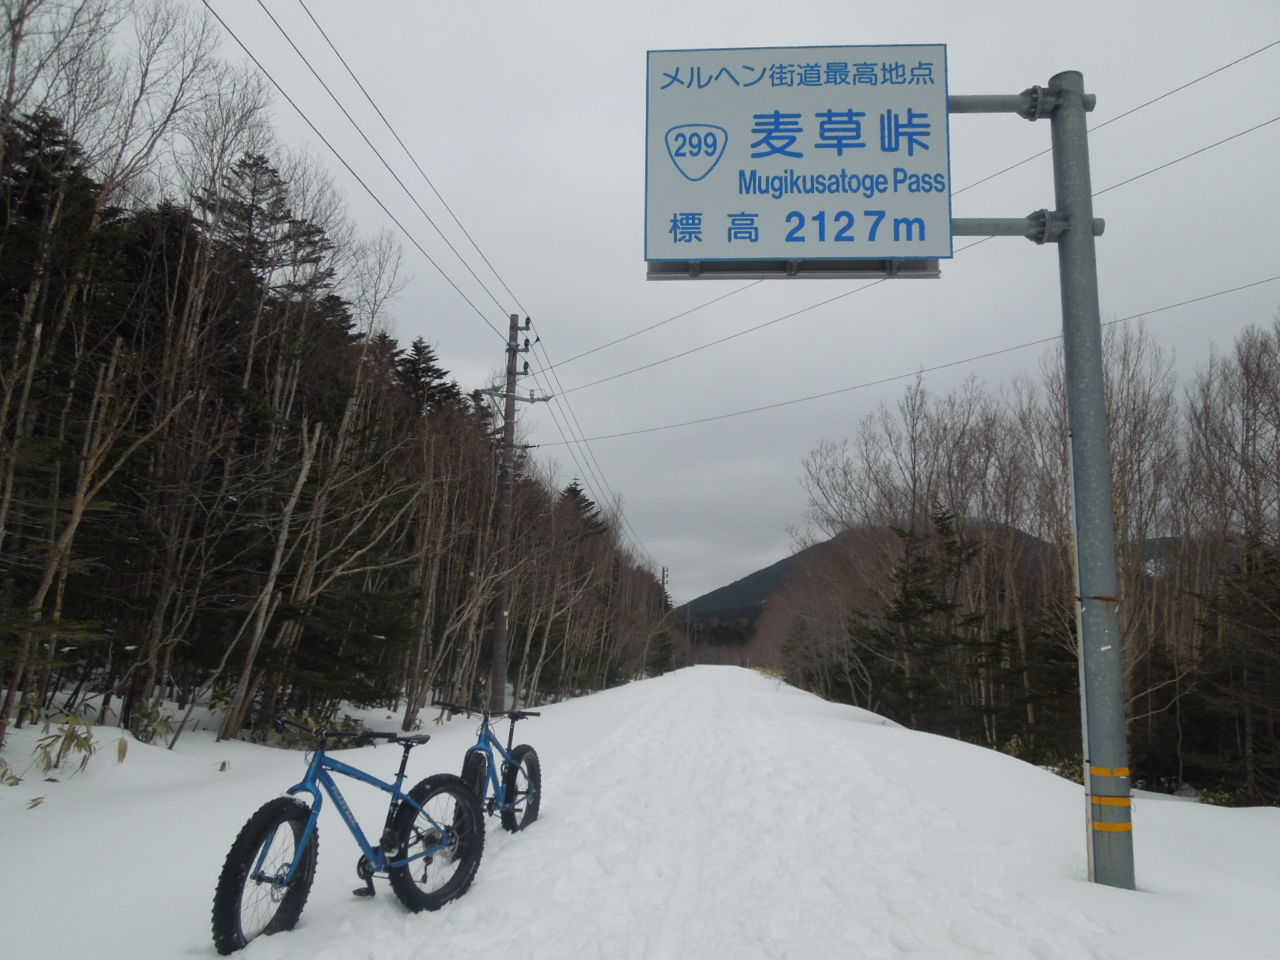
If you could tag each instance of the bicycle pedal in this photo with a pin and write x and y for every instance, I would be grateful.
(363, 891)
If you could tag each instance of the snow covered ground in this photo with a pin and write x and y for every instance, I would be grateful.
(710, 814)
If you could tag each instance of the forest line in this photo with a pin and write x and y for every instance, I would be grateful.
(943, 596)
(221, 476)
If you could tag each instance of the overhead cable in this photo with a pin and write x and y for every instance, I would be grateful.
(920, 371)
(848, 293)
(1188, 156)
(587, 472)
(412, 159)
(332, 149)
(377, 153)
(992, 176)
(571, 420)
(1121, 116)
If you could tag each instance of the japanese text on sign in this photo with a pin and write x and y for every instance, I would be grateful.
(836, 73)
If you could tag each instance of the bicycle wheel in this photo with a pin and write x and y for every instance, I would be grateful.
(436, 849)
(522, 788)
(250, 899)
(474, 772)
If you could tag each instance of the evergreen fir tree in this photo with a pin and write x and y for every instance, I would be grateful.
(426, 382)
(584, 508)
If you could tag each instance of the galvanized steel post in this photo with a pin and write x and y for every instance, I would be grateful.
(1072, 227)
(1101, 649)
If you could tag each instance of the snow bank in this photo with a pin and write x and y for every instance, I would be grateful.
(710, 813)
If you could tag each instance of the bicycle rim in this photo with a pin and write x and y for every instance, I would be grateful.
(264, 889)
(433, 853)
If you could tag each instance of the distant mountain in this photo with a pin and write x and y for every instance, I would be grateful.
(751, 591)
(727, 615)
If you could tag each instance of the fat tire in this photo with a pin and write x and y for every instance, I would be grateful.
(229, 904)
(450, 801)
(526, 793)
(474, 771)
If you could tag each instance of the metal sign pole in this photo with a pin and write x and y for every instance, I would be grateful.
(1073, 228)
(726, 171)
(1107, 751)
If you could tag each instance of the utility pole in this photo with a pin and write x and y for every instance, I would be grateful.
(502, 609)
(498, 657)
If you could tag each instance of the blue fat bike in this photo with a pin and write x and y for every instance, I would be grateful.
(511, 786)
(429, 849)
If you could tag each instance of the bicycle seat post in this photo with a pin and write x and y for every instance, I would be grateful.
(404, 763)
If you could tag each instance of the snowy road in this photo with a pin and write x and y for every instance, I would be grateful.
(711, 813)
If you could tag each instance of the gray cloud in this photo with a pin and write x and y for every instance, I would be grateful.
(530, 121)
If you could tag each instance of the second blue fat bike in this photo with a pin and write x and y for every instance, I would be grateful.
(430, 847)
(507, 780)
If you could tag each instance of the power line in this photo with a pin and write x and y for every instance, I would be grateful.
(377, 153)
(873, 283)
(1188, 156)
(660, 323)
(392, 130)
(743, 333)
(922, 370)
(1121, 116)
(992, 176)
(407, 153)
(586, 470)
(597, 474)
(573, 424)
(332, 149)
(1189, 83)
(589, 473)
(569, 415)
(590, 470)
(566, 412)
(732, 336)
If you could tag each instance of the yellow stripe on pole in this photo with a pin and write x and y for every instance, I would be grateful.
(1113, 827)
(1113, 801)
(1109, 771)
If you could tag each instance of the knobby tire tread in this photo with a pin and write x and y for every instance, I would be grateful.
(527, 758)
(228, 932)
(467, 816)
(474, 771)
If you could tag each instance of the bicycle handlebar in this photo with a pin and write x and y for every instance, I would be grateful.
(463, 708)
(360, 738)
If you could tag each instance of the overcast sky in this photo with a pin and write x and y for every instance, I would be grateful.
(530, 121)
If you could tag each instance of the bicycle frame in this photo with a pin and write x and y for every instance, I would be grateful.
(319, 781)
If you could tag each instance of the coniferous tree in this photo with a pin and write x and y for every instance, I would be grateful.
(425, 380)
(220, 480)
